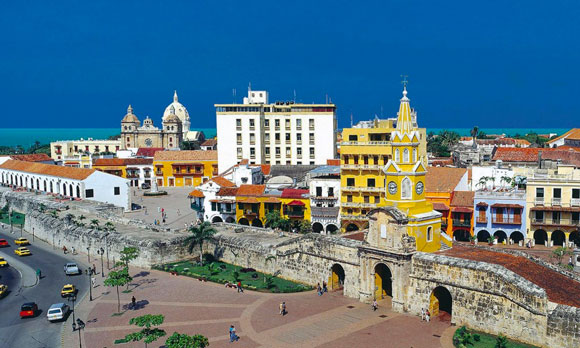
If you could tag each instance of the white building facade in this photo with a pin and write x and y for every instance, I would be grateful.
(324, 186)
(79, 183)
(72, 149)
(275, 133)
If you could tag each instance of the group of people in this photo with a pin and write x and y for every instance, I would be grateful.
(321, 290)
(235, 286)
(65, 250)
(425, 315)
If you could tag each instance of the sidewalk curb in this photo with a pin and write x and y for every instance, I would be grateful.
(27, 274)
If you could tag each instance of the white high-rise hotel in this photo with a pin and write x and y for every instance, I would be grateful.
(278, 133)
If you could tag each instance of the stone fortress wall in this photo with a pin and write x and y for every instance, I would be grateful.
(486, 297)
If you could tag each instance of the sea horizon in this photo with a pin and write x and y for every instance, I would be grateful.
(27, 136)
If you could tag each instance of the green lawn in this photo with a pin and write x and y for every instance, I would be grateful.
(488, 341)
(17, 218)
(221, 272)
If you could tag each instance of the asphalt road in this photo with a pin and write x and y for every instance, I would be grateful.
(35, 332)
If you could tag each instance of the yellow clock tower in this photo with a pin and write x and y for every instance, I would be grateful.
(405, 183)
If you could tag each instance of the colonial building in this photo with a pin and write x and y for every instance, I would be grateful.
(138, 171)
(71, 150)
(135, 135)
(74, 183)
(206, 200)
(500, 213)
(324, 184)
(571, 138)
(279, 133)
(184, 168)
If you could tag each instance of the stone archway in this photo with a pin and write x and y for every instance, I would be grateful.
(337, 277)
(501, 236)
(440, 302)
(257, 223)
(461, 235)
(317, 227)
(540, 237)
(351, 227)
(482, 236)
(230, 220)
(244, 221)
(383, 281)
(331, 229)
(575, 238)
(217, 219)
(558, 238)
(516, 236)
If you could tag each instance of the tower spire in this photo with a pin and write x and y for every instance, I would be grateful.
(175, 96)
(404, 120)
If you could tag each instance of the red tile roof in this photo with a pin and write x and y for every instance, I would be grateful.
(209, 142)
(227, 191)
(35, 157)
(122, 161)
(148, 151)
(196, 193)
(443, 179)
(223, 182)
(251, 190)
(440, 206)
(462, 199)
(506, 154)
(333, 162)
(294, 193)
(297, 203)
(48, 169)
(573, 134)
(558, 287)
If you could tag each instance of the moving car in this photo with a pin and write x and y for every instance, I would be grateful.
(57, 311)
(71, 268)
(3, 263)
(28, 310)
(22, 251)
(21, 241)
(4, 243)
(68, 290)
(3, 290)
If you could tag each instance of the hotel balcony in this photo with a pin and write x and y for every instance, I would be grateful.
(132, 176)
(557, 201)
(481, 220)
(353, 217)
(511, 220)
(295, 214)
(567, 222)
(461, 223)
(366, 143)
(350, 188)
(147, 175)
(358, 166)
(539, 201)
(251, 213)
(329, 212)
(196, 207)
(575, 202)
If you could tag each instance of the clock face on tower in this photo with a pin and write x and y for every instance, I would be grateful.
(148, 142)
(392, 187)
(419, 188)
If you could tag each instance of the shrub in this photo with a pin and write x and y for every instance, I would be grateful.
(247, 270)
(476, 337)
(501, 342)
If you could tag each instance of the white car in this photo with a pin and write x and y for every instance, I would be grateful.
(71, 269)
(57, 311)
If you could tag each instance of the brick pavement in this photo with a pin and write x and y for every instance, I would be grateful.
(191, 307)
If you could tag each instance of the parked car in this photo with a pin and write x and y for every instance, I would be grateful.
(71, 268)
(3, 290)
(68, 290)
(58, 311)
(21, 241)
(3, 263)
(4, 243)
(29, 309)
(22, 251)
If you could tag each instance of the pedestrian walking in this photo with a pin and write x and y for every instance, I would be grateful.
(422, 313)
(375, 305)
(324, 287)
(64, 250)
(94, 269)
(427, 316)
(233, 336)
(133, 302)
(178, 212)
(318, 289)
(73, 251)
(93, 281)
(284, 308)
(240, 289)
(281, 308)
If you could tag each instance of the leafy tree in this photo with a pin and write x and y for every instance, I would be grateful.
(302, 226)
(501, 342)
(462, 337)
(147, 333)
(178, 340)
(118, 278)
(560, 252)
(53, 213)
(274, 220)
(199, 234)
(109, 226)
(505, 179)
(82, 217)
(95, 223)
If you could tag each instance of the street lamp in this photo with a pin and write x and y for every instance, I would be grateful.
(73, 298)
(78, 326)
(101, 252)
(89, 254)
(90, 284)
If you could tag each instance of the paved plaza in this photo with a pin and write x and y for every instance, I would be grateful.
(191, 306)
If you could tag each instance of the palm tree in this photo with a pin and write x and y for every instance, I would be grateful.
(82, 217)
(109, 226)
(199, 234)
(95, 223)
(505, 179)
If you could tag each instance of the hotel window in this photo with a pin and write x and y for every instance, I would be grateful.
(311, 124)
(299, 138)
(299, 151)
(539, 192)
(370, 182)
(539, 216)
(239, 138)
(252, 124)
(267, 138)
(429, 233)
(377, 199)
(575, 193)
(375, 160)
(556, 217)
(277, 138)
(349, 198)
(350, 182)
(397, 155)
(406, 155)
(557, 195)
(278, 151)
(267, 151)
(311, 152)
(252, 139)
(287, 124)
(252, 152)
(288, 153)
(287, 137)
(239, 152)
(311, 137)
(266, 123)
(116, 190)
(238, 123)
(345, 159)
(277, 124)
(299, 124)
(367, 199)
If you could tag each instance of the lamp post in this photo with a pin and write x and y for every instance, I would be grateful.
(78, 326)
(90, 284)
(89, 254)
(33, 234)
(73, 298)
(107, 247)
(101, 252)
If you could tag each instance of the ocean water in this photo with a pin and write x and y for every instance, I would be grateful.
(27, 136)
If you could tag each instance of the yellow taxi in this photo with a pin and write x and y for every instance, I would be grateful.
(21, 241)
(3, 290)
(68, 290)
(3, 263)
(22, 251)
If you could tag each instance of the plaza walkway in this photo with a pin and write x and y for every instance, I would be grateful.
(191, 306)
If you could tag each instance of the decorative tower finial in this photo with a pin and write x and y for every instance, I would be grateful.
(175, 96)
(405, 82)
(130, 109)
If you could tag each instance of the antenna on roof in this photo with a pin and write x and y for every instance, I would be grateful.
(351, 119)
(234, 95)
(249, 86)
(326, 98)
(294, 95)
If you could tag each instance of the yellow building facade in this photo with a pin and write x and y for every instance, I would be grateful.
(184, 168)
(364, 152)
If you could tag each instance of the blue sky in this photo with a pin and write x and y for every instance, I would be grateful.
(491, 64)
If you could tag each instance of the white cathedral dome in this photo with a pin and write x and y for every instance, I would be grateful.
(180, 112)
